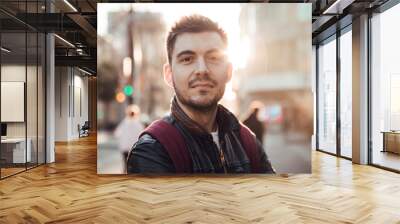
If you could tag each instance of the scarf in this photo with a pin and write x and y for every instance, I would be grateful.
(202, 149)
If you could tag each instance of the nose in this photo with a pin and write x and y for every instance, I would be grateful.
(201, 67)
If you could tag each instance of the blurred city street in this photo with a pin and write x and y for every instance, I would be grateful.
(289, 153)
(271, 66)
(109, 157)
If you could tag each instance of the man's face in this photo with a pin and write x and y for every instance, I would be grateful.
(199, 69)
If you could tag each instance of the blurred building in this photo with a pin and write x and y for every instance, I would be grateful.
(149, 55)
(140, 36)
(278, 68)
(108, 64)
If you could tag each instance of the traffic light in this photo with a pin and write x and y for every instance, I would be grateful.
(120, 97)
(128, 90)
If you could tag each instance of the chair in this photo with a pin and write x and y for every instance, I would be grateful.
(84, 130)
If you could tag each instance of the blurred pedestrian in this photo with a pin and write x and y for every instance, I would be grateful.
(253, 122)
(128, 131)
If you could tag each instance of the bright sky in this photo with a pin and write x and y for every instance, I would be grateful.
(226, 15)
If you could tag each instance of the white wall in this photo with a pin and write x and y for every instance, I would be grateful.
(71, 87)
(61, 103)
(16, 73)
(12, 73)
(33, 126)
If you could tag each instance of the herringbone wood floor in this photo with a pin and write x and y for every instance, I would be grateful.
(70, 191)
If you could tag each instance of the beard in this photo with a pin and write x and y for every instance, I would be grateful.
(199, 105)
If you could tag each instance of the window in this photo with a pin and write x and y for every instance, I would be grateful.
(327, 96)
(394, 102)
(385, 89)
(346, 94)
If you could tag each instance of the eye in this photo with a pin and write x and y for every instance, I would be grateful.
(215, 58)
(186, 59)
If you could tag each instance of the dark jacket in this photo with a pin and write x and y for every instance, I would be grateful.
(149, 156)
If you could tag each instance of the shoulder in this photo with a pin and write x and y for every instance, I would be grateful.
(149, 156)
(156, 128)
(146, 143)
(153, 137)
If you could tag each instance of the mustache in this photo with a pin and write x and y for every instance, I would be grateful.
(203, 79)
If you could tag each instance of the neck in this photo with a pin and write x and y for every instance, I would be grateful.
(206, 119)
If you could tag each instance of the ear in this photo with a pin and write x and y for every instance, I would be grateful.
(168, 74)
(229, 71)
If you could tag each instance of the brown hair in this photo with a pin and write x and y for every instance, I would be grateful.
(192, 24)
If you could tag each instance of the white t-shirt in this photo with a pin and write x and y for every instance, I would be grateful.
(215, 138)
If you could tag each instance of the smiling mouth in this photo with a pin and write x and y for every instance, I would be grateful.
(208, 85)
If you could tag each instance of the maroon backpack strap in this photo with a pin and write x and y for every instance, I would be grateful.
(172, 140)
(250, 146)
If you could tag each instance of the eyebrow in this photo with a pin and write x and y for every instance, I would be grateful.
(213, 50)
(192, 52)
(184, 52)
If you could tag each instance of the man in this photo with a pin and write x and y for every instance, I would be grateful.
(253, 122)
(199, 136)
